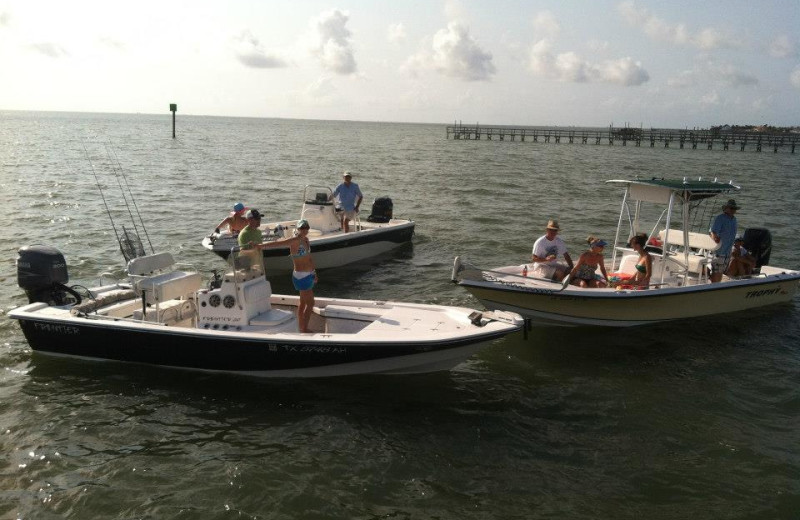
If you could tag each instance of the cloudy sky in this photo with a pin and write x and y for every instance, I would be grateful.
(657, 64)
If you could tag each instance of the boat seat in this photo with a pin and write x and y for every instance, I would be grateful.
(123, 309)
(159, 288)
(702, 247)
(628, 264)
(697, 263)
(699, 241)
(102, 300)
(172, 312)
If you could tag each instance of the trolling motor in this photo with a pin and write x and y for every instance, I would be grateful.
(42, 273)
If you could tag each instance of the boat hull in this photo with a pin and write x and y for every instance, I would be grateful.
(574, 306)
(334, 250)
(313, 355)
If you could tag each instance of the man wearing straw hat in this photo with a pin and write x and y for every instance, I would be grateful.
(723, 231)
(546, 251)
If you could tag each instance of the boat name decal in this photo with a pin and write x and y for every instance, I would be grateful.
(226, 319)
(763, 292)
(305, 349)
(516, 285)
(67, 330)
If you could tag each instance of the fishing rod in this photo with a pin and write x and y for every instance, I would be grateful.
(102, 196)
(130, 193)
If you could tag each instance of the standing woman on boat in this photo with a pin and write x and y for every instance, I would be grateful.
(644, 266)
(304, 275)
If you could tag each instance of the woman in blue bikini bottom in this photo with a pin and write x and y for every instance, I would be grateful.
(304, 275)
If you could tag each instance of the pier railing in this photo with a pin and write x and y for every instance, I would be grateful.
(662, 138)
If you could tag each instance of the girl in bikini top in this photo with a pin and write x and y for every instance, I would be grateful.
(303, 249)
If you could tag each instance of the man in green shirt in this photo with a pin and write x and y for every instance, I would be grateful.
(251, 235)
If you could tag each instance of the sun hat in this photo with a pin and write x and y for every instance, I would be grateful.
(599, 243)
(731, 204)
(553, 224)
(238, 207)
(347, 174)
(252, 213)
(302, 223)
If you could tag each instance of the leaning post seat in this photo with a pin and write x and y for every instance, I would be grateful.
(702, 248)
(146, 276)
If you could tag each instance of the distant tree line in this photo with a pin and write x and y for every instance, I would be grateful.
(754, 129)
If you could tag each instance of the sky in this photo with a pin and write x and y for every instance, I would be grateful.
(674, 64)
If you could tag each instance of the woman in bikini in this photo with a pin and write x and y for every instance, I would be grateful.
(304, 275)
(583, 274)
(644, 266)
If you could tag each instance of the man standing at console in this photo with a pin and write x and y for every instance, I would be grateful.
(350, 198)
(723, 231)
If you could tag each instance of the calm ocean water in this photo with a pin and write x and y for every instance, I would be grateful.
(691, 420)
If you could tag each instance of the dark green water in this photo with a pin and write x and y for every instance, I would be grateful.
(690, 420)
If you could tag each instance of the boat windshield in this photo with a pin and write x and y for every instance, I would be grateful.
(247, 263)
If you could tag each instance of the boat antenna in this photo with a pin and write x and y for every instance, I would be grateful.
(120, 173)
(100, 189)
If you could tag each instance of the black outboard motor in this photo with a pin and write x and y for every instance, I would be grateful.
(381, 210)
(758, 241)
(42, 273)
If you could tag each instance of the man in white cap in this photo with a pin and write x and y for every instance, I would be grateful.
(723, 231)
(546, 251)
(350, 197)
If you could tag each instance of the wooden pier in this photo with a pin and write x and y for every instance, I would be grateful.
(703, 139)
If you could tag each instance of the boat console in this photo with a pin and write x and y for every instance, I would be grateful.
(242, 299)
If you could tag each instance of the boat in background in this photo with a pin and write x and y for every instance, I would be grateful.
(332, 247)
(679, 288)
(163, 316)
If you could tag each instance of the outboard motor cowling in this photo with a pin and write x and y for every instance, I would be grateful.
(758, 241)
(42, 273)
(381, 210)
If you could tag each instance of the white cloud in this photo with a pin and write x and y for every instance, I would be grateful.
(541, 58)
(49, 49)
(623, 71)
(333, 47)
(782, 47)
(396, 33)
(794, 78)
(570, 67)
(457, 55)
(251, 53)
(709, 72)
(453, 53)
(678, 34)
(545, 25)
